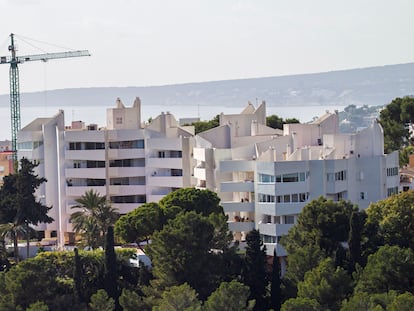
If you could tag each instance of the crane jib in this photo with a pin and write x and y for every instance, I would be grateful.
(44, 57)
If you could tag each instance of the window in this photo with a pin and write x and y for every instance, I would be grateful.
(265, 178)
(118, 120)
(392, 171)
(341, 175)
(290, 177)
(292, 198)
(392, 191)
(176, 172)
(363, 195)
(266, 198)
(289, 219)
(127, 144)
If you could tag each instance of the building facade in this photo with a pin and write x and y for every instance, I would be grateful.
(128, 162)
(6, 160)
(265, 177)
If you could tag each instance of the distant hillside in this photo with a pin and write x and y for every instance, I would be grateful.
(367, 86)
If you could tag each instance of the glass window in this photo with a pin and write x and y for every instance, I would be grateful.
(290, 177)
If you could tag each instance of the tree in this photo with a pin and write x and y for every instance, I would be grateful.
(254, 270)
(230, 296)
(393, 119)
(38, 306)
(77, 276)
(390, 268)
(326, 284)
(201, 126)
(100, 301)
(131, 301)
(323, 222)
(18, 204)
(356, 227)
(111, 275)
(392, 219)
(94, 218)
(277, 122)
(300, 261)
(181, 297)
(368, 302)
(192, 199)
(301, 304)
(403, 302)
(181, 253)
(139, 224)
(275, 292)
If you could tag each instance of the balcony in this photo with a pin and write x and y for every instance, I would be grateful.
(126, 171)
(238, 226)
(176, 163)
(164, 143)
(237, 186)
(77, 191)
(165, 181)
(124, 208)
(126, 153)
(98, 173)
(92, 155)
(236, 166)
(274, 229)
(229, 206)
(280, 209)
(127, 189)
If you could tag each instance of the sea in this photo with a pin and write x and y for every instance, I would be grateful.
(97, 114)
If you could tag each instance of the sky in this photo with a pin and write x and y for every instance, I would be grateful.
(154, 42)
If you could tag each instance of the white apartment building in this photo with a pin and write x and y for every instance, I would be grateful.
(265, 177)
(129, 162)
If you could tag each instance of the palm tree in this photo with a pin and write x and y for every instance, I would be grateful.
(13, 231)
(93, 218)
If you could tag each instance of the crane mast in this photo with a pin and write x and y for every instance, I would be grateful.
(14, 60)
(14, 97)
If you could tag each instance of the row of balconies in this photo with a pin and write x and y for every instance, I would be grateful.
(155, 181)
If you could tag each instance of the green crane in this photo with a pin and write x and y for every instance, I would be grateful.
(14, 60)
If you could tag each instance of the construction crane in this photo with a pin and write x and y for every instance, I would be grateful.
(14, 60)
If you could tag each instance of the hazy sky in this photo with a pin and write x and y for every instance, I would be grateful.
(153, 42)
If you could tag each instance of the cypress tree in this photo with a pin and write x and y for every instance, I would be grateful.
(77, 277)
(111, 275)
(354, 240)
(254, 271)
(275, 292)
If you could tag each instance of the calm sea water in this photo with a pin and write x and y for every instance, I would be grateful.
(97, 114)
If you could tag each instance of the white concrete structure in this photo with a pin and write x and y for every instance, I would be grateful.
(125, 161)
(265, 177)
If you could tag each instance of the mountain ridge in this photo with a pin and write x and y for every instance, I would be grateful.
(361, 86)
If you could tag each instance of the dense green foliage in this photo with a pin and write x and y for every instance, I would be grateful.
(139, 224)
(19, 208)
(393, 119)
(340, 259)
(277, 122)
(377, 268)
(201, 126)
